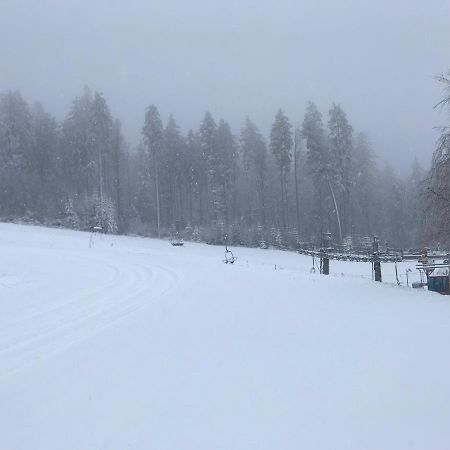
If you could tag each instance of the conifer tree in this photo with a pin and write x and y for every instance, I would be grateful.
(153, 137)
(254, 155)
(77, 165)
(208, 136)
(16, 141)
(281, 146)
(101, 148)
(317, 159)
(173, 176)
(341, 149)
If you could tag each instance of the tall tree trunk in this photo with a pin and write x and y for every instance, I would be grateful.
(157, 196)
(297, 208)
(283, 223)
(262, 201)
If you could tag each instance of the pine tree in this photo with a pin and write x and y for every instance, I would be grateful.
(197, 177)
(173, 176)
(254, 155)
(225, 149)
(78, 169)
(415, 190)
(208, 136)
(318, 160)
(341, 149)
(45, 173)
(365, 195)
(281, 146)
(297, 145)
(16, 142)
(101, 151)
(153, 137)
(117, 157)
(394, 208)
(71, 219)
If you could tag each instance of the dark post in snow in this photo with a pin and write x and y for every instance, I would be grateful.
(324, 258)
(376, 259)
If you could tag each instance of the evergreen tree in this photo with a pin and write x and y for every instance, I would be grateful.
(415, 184)
(341, 149)
(78, 169)
(45, 164)
(16, 142)
(297, 144)
(117, 161)
(281, 146)
(365, 195)
(208, 140)
(196, 177)
(318, 160)
(394, 208)
(173, 176)
(254, 155)
(100, 141)
(153, 138)
(225, 150)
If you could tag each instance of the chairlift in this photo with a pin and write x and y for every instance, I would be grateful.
(229, 256)
(95, 230)
(176, 240)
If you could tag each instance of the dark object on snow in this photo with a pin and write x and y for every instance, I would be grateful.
(324, 256)
(377, 270)
(376, 263)
(325, 266)
(437, 276)
(438, 281)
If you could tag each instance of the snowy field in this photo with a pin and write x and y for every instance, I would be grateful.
(135, 344)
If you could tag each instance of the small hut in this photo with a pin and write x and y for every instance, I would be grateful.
(438, 280)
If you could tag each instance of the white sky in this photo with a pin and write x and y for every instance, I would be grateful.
(237, 58)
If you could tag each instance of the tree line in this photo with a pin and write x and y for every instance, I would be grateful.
(283, 189)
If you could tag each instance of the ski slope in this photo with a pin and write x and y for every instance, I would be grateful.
(134, 344)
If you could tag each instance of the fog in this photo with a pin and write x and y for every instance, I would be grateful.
(237, 58)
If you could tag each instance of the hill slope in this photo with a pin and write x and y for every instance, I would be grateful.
(131, 343)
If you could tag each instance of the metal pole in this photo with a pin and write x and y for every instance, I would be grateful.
(376, 259)
(337, 211)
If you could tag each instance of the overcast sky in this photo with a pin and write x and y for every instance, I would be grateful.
(378, 58)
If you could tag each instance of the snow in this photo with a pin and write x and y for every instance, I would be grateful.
(136, 344)
(440, 272)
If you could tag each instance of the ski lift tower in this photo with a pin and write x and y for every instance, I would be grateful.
(324, 250)
(376, 259)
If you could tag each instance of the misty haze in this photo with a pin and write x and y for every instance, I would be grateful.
(224, 225)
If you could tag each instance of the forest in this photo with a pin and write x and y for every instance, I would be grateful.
(281, 187)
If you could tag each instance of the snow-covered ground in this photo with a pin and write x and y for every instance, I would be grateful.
(135, 344)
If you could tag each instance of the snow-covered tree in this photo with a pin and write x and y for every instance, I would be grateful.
(341, 152)
(153, 139)
(254, 155)
(16, 143)
(281, 145)
(317, 151)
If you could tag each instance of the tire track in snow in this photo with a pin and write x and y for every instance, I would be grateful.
(38, 336)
